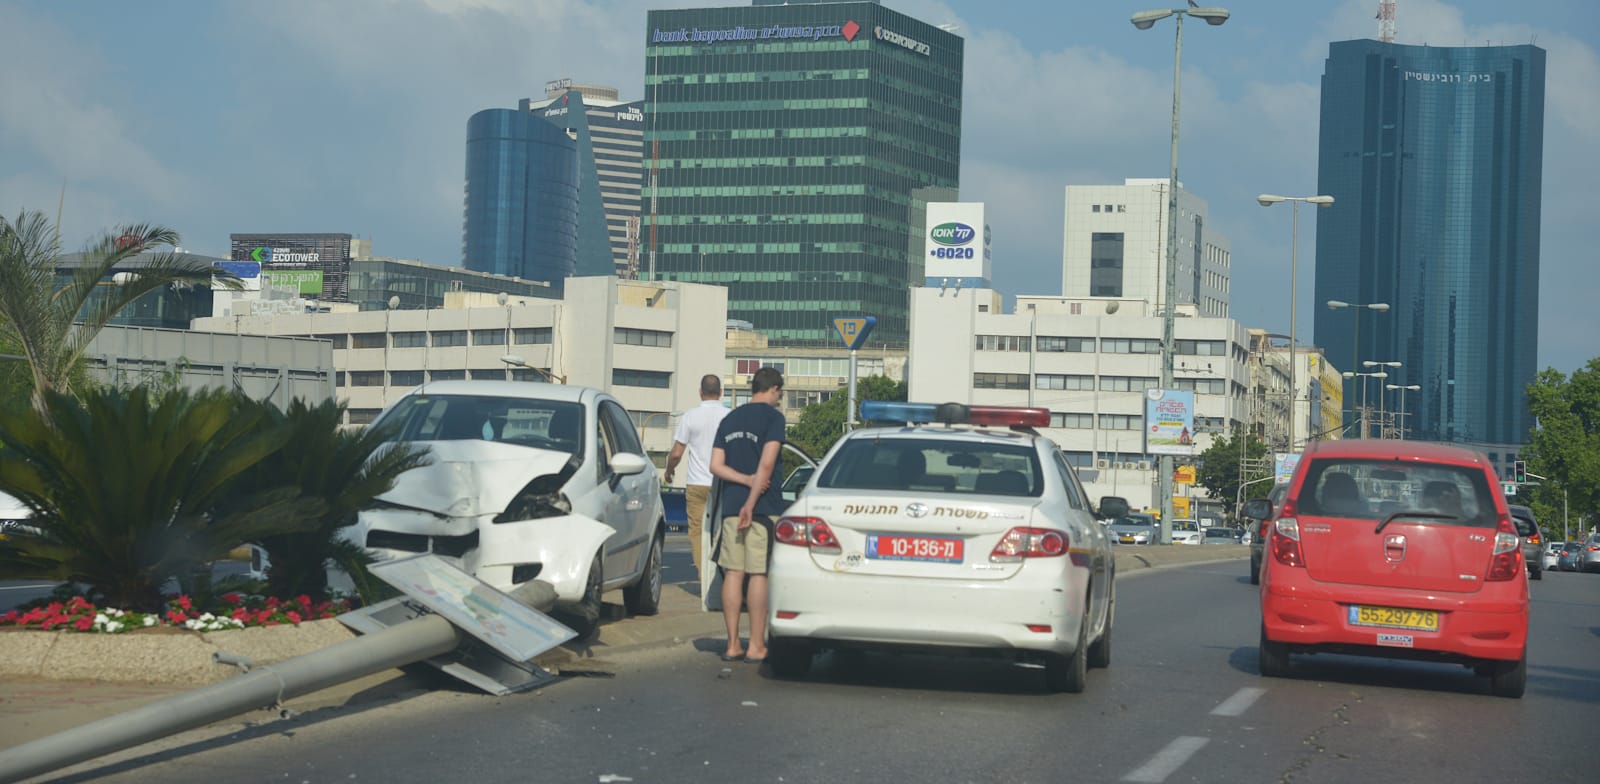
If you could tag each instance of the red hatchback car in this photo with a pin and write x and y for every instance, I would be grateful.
(1402, 549)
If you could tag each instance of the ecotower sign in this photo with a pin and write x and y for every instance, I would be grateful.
(695, 35)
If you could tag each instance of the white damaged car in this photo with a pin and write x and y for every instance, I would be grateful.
(542, 491)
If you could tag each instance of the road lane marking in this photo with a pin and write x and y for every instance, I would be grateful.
(26, 587)
(1239, 702)
(1167, 760)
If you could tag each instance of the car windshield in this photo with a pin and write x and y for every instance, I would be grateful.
(1133, 522)
(546, 424)
(1375, 489)
(948, 466)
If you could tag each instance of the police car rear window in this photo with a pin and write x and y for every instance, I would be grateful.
(931, 465)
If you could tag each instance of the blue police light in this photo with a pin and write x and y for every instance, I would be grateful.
(954, 414)
(894, 411)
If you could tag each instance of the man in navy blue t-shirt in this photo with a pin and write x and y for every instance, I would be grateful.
(744, 456)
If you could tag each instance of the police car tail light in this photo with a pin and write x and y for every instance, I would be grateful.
(1286, 538)
(806, 532)
(1505, 564)
(1020, 543)
(954, 414)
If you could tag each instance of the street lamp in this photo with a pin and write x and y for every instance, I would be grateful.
(516, 361)
(1383, 415)
(1401, 430)
(1355, 343)
(1144, 20)
(1267, 200)
(1363, 382)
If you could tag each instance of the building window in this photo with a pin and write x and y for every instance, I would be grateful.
(447, 375)
(641, 337)
(658, 379)
(1205, 386)
(452, 337)
(532, 335)
(745, 367)
(369, 340)
(526, 374)
(1130, 345)
(1003, 343)
(1094, 208)
(405, 378)
(1000, 380)
(363, 416)
(800, 398)
(1074, 421)
(1203, 348)
(366, 378)
(1210, 424)
(339, 379)
(488, 374)
(1126, 383)
(489, 337)
(1061, 381)
(1120, 421)
(410, 340)
(1105, 263)
(339, 340)
(1062, 344)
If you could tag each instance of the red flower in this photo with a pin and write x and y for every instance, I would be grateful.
(304, 601)
(241, 614)
(173, 616)
(232, 599)
(83, 624)
(183, 601)
(272, 601)
(263, 617)
(53, 608)
(293, 617)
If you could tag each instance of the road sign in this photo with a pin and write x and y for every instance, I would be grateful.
(854, 331)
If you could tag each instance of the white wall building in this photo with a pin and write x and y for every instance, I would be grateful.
(646, 343)
(1115, 241)
(1088, 360)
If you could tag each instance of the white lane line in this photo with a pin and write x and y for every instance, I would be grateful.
(26, 587)
(1167, 760)
(1239, 702)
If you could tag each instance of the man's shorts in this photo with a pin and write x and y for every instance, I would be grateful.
(744, 551)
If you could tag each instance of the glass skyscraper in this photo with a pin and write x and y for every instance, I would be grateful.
(786, 147)
(1433, 156)
(521, 197)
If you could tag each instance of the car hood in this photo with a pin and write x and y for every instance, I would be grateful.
(471, 478)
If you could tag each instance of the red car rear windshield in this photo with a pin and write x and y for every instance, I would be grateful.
(1375, 489)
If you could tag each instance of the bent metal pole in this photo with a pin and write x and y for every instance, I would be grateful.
(405, 643)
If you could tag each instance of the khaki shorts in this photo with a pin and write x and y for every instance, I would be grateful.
(743, 551)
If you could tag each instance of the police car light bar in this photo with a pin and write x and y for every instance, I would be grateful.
(954, 414)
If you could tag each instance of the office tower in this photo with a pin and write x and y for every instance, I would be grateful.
(521, 197)
(1433, 156)
(786, 148)
(1115, 245)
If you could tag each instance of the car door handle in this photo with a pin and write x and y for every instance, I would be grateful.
(634, 505)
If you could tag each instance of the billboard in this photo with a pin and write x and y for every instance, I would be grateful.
(305, 281)
(956, 244)
(326, 254)
(1283, 466)
(1169, 421)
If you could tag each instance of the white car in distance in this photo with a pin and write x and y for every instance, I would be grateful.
(543, 491)
(973, 536)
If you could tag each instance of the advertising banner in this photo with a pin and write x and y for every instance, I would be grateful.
(1283, 466)
(956, 242)
(308, 281)
(1184, 475)
(1169, 421)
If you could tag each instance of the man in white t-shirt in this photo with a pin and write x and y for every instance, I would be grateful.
(696, 430)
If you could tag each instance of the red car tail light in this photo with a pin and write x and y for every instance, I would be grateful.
(1506, 562)
(1534, 538)
(1020, 543)
(1286, 541)
(806, 532)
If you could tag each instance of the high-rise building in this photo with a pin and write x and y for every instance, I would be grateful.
(521, 197)
(1433, 156)
(1115, 245)
(610, 138)
(786, 148)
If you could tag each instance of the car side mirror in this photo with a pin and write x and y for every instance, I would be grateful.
(628, 464)
(1112, 507)
(1257, 509)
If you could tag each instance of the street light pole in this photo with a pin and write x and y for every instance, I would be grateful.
(1382, 414)
(1267, 200)
(1400, 430)
(1355, 347)
(1144, 20)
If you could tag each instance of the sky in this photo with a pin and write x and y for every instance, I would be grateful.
(220, 116)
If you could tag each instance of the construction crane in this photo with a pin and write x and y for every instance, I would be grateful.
(1386, 21)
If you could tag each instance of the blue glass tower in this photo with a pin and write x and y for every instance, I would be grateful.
(522, 197)
(1433, 156)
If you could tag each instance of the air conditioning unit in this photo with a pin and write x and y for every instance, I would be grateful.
(1129, 466)
(1144, 465)
(1102, 463)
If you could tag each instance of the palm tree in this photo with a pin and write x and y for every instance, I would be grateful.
(344, 468)
(50, 324)
(129, 488)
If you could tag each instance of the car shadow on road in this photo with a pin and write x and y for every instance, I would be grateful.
(1403, 674)
(925, 672)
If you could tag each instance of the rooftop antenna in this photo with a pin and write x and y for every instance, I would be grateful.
(1386, 21)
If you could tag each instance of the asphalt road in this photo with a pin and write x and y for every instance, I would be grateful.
(1181, 702)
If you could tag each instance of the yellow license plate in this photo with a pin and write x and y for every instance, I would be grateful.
(1394, 617)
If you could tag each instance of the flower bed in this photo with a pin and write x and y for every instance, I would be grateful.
(233, 611)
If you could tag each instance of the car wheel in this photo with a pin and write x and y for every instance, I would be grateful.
(788, 659)
(644, 596)
(1100, 649)
(585, 618)
(1070, 673)
(1272, 657)
(1255, 569)
(1535, 574)
(1510, 679)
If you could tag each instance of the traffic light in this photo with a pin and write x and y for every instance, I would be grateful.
(1519, 471)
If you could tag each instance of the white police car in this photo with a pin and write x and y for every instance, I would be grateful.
(969, 536)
